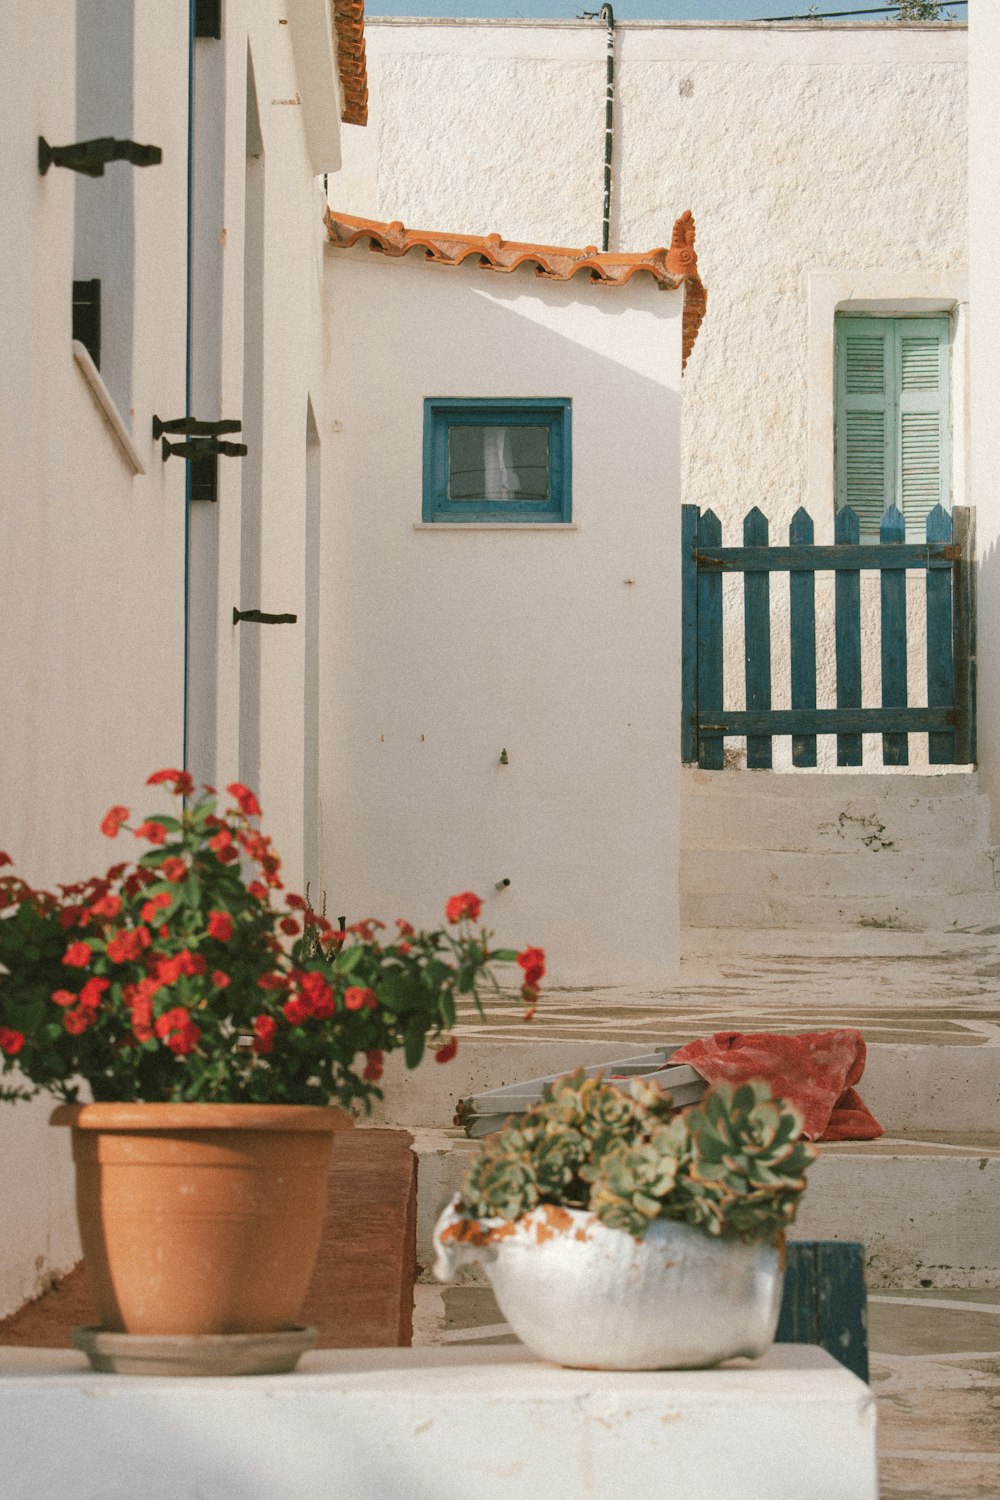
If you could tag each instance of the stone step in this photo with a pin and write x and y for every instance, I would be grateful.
(925, 1210)
(909, 1088)
(885, 872)
(810, 786)
(846, 821)
(756, 907)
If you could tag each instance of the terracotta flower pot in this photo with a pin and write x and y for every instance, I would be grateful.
(200, 1218)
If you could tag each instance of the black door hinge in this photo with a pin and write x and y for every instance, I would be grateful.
(91, 157)
(258, 617)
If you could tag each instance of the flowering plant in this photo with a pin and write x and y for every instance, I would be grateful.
(178, 977)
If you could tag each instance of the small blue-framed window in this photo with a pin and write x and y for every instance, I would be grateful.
(489, 460)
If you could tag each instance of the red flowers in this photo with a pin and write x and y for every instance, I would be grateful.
(155, 905)
(446, 1052)
(373, 1065)
(77, 955)
(356, 998)
(154, 832)
(264, 1028)
(127, 946)
(113, 820)
(174, 869)
(220, 925)
(247, 802)
(532, 961)
(179, 782)
(176, 1028)
(467, 904)
(11, 1041)
(108, 906)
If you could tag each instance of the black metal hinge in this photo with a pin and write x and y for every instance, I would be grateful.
(91, 157)
(208, 19)
(258, 617)
(203, 438)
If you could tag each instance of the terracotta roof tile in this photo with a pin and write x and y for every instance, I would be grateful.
(671, 268)
(349, 24)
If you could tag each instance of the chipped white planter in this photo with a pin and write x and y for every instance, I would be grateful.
(584, 1295)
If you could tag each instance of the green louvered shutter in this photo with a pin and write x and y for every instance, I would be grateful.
(892, 419)
(923, 469)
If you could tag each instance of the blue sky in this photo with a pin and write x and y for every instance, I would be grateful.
(627, 10)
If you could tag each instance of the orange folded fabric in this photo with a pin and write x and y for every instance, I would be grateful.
(816, 1071)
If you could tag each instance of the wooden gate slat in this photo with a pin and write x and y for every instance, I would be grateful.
(825, 1300)
(895, 747)
(847, 593)
(802, 628)
(689, 634)
(963, 519)
(710, 746)
(757, 639)
(940, 658)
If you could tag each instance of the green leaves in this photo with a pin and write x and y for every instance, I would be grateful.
(734, 1165)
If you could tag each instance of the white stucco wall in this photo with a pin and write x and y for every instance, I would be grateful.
(92, 551)
(446, 646)
(984, 230)
(92, 529)
(825, 166)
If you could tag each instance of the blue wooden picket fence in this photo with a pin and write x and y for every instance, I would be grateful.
(948, 559)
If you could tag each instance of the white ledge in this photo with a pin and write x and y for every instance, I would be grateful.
(496, 526)
(420, 1424)
(109, 410)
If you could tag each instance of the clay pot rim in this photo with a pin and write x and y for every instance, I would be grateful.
(137, 1116)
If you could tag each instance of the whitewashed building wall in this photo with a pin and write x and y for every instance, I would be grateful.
(92, 521)
(825, 166)
(493, 714)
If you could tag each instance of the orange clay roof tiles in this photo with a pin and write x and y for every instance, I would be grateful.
(671, 268)
(349, 24)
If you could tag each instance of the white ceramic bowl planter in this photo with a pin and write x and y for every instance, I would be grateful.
(581, 1294)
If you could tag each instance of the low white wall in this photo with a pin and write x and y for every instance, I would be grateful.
(443, 647)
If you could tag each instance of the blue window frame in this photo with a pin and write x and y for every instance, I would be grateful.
(487, 460)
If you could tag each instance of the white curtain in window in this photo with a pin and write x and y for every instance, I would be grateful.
(501, 481)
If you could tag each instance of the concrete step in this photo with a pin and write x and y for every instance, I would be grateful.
(909, 1088)
(925, 1210)
(756, 907)
(879, 813)
(884, 872)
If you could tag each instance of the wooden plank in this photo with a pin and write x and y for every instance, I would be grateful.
(940, 648)
(689, 634)
(710, 746)
(892, 534)
(757, 640)
(825, 1301)
(823, 559)
(847, 589)
(964, 606)
(849, 721)
(802, 628)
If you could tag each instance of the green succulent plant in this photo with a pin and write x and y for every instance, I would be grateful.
(733, 1165)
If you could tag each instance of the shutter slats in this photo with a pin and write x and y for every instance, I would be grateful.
(864, 465)
(919, 364)
(864, 365)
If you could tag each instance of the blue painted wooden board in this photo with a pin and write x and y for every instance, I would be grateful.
(757, 640)
(895, 747)
(825, 1301)
(802, 625)
(689, 634)
(823, 559)
(847, 592)
(710, 746)
(940, 673)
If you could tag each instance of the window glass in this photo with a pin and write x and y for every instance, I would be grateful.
(498, 463)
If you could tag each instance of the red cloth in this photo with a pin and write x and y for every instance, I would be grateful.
(816, 1071)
